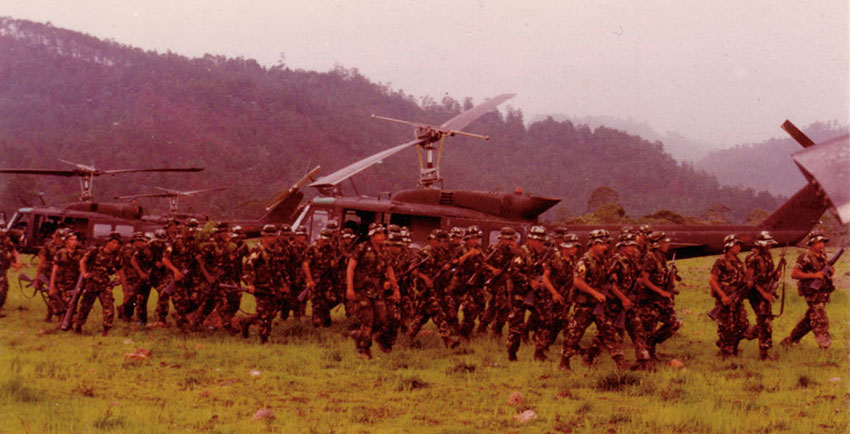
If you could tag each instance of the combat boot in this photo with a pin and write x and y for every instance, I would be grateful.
(246, 329)
(564, 365)
(366, 353)
(512, 356)
(621, 362)
(540, 356)
(264, 339)
(763, 354)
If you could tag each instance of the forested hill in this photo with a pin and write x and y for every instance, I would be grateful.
(766, 165)
(256, 130)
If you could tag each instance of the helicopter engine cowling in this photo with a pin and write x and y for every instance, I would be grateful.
(121, 210)
(504, 205)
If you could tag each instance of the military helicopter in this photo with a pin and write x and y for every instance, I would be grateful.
(93, 220)
(172, 195)
(428, 207)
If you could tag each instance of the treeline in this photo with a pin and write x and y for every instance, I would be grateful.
(256, 130)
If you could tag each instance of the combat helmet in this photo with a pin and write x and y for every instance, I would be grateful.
(765, 240)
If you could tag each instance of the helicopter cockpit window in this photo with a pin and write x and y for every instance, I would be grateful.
(101, 230)
(126, 231)
(317, 223)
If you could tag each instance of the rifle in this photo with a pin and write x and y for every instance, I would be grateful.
(672, 277)
(245, 290)
(37, 284)
(474, 277)
(780, 277)
(170, 287)
(75, 297)
(734, 295)
(531, 298)
(414, 266)
(827, 271)
(306, 292)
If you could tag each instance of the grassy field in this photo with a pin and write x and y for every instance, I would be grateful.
(313, 381)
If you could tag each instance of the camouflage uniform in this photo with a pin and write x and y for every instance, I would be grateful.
(761, 265)
(214, 254)
(651, 307)
(101, 264)
(134, 281)
(553, 316)
(293, 262)
(815, 319)
(732, 322)
(45, 267)
(323, 258)
(160, 276)
(498, 307)
(471, 297)
(259, 270)
(372, 265)
(67, 264)
(7, 257)
(181, 254)
(232, 298)
(430, 301)
(146, 258)
(526, 266)
(592, 270)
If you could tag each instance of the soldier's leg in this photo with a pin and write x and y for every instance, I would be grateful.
(182, 305)
(389, 331)
(471, 309)
(444, 328)
(107, 302)
(802, 328)
(609, 337)
(384, 326)
(4, 287)
(516, 326)
(488, 314)
(582, 317)
(232, 301)
(142, 297)
(635, 329)
(820, 324)
(728, 334)
(267, 308)
(542, 334)
(86, 302)
(318, 305)
(421, 316)
(670, 324)
(764, 326)
(363, 336)
(162, 303)
(128, 299)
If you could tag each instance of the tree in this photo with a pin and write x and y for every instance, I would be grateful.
(603, 195)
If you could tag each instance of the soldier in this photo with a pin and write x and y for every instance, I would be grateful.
(180, 258)
(8, 257)
(347, 243)
(159, 275)
(553, 302)
(471, 294)
(146, 261)
(45, 266)
(761, 275)
(433, 264)
(623, 274)
(65, 272)
(526, 273)
(174, 234)
(728, 282)
(365, 285)
(232, 295)
(294, 261)
(498, 307)
(559, 271)
(397, 261)
(264, 282)
(590, 276)
(133, 275)
(814, 282)
(320, 266)
(213, 257)
(655, 294)
(96, 267)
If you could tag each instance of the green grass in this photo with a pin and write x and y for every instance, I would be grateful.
(314, 382)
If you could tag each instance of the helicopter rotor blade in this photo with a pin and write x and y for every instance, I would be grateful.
(462, 120)
(171, 169)
(354, 168)
(67, 173)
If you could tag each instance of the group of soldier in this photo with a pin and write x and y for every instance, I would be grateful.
(549, 285)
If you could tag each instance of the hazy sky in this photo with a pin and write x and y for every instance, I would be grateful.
(720, 71)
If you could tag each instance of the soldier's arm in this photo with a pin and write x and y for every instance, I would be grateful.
(305, 266)
(122, 277)
(799, 274)
(83, 271)
(547, 283)
(203, 266)
(42, 258)
(17, 263)
(582, 286)
(349, 278)
(644, 279)
(135, 264)
(53, 272)
(619, 294)
(714, 283)
(168, 264)
(394, 283)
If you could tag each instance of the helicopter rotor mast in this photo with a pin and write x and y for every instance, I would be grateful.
(429, 173)
(426, 136)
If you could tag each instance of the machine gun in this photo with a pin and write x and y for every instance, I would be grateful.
(38, 284)
(779, 276)
(734, 294)
(816, 284)
(241, 288)
(325, 274)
